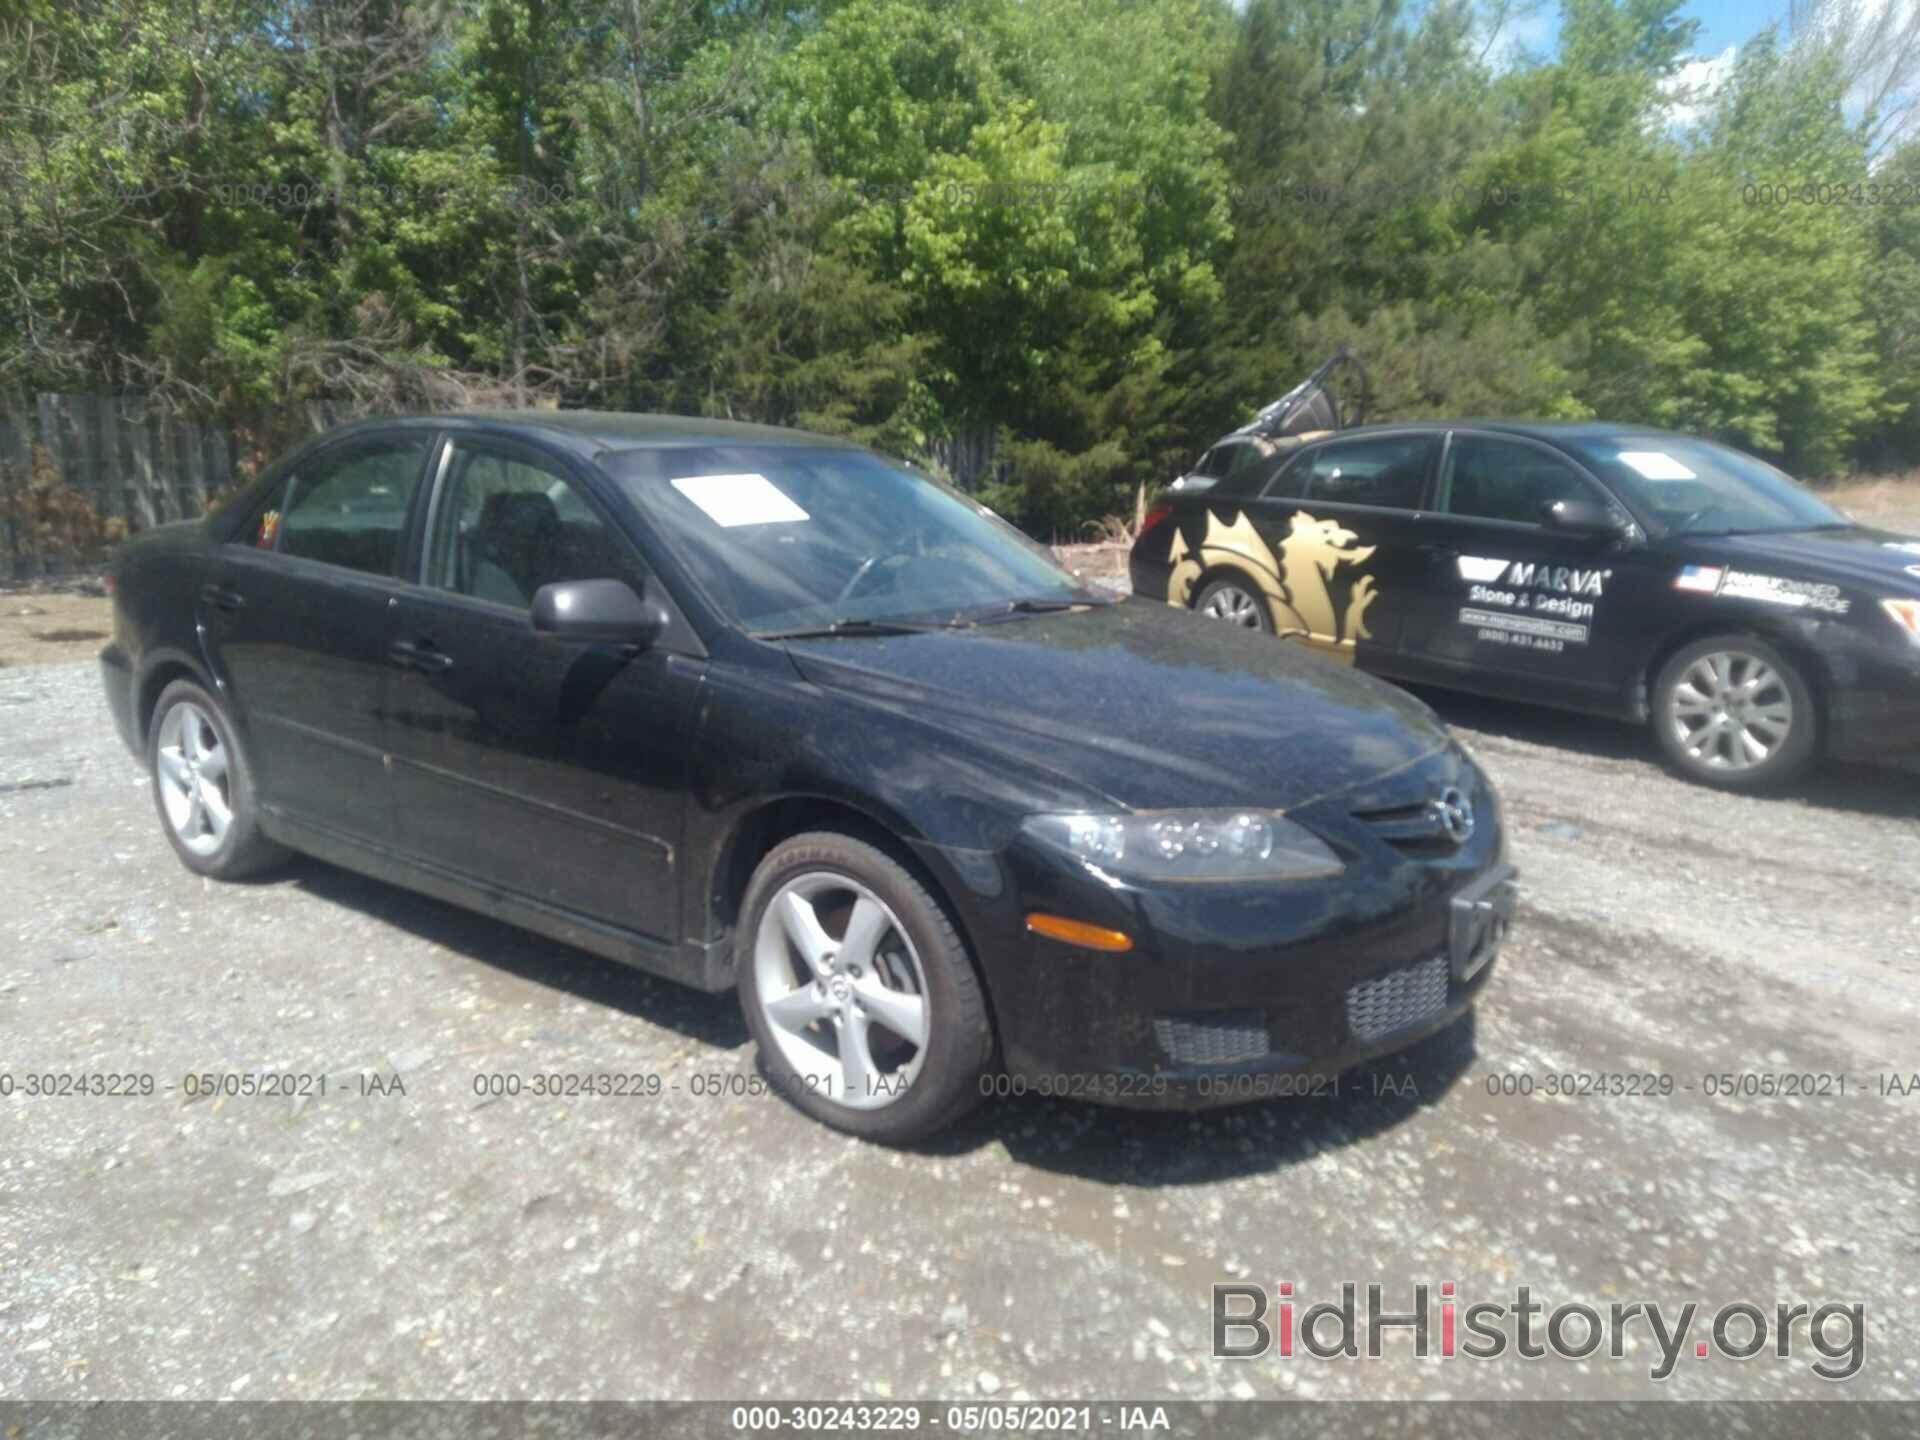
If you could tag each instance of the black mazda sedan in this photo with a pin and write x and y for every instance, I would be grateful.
(752, 709)
(1653, 577)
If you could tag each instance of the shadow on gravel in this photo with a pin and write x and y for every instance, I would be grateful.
(1151, 1148)
(710, 1019)
(1858, 788)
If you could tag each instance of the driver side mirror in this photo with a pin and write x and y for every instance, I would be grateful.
(1582, 517)
(609, 612)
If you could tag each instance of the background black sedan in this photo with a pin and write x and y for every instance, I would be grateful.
(1626, 572)
(753, 709)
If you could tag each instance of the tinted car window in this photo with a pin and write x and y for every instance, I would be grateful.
(1388, 470)
(504, 526)
(1213, 464)
(1493, 479)
(349, 509)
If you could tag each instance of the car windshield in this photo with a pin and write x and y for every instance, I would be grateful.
(794, 538)
(1697, 487)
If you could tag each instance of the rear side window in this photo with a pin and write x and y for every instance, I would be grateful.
(350, 509)
(1388, 471)
(1493, 479)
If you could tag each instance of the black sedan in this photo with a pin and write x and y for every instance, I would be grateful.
(756, 710)
(1625, 572)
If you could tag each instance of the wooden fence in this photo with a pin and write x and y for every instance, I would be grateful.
(142, 464)
(132, 460)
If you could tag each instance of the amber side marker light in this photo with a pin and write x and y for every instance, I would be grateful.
(1078, 932)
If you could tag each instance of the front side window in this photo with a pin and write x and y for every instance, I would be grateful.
(1387, 471)
(786, 538)
(1493, 479)
(350, 508)
(504, 526)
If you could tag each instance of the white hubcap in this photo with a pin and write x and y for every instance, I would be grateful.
(842, 991)
(195, 788)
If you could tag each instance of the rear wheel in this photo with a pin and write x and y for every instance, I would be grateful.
(859, 992)
(1733, 711)
(1235, 602)
(203, 787)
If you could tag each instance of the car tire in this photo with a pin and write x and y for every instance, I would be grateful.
(199, 774)
(1236, 601)
(1733, 711)
(890, 950)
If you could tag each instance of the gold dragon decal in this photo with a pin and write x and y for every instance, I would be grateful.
(1297, 584)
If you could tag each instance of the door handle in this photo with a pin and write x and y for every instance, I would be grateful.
(223, 597)
(421, 655)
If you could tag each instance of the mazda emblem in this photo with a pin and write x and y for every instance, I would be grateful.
(1453, 813)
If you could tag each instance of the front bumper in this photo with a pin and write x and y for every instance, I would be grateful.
(1236, 993)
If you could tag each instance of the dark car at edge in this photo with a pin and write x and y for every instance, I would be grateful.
(756, 710)
(1657, 578)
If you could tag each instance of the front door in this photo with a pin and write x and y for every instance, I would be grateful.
(295, 629)
(552, 770)
(1517, 606)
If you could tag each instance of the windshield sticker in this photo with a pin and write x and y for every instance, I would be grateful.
(1656, 465)
(1318, 587)
(269, 530)
(731, 500)
(1770, 589)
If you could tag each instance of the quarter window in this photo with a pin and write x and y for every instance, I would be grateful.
(350, 509)
(1388, 471)
(1493, 479)
(505, 526)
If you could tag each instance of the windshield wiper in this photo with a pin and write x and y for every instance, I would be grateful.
(1028, 606)
(851, 626)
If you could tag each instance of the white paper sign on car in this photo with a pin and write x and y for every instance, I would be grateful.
(1656, 465)
(744, 499)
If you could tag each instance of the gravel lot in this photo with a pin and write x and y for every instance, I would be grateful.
(403, 1237)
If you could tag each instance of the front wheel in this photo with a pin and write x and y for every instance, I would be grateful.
(866, 1008)
(1732, 711)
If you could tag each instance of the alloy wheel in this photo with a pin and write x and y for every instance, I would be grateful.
(1730, 711)
(842, 990)
(196, 786)
(1232, 604)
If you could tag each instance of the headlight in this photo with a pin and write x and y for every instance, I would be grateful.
(1906, 614)
(1189, 844)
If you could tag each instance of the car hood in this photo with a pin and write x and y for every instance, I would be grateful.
(1148, 706)
(1859, 556)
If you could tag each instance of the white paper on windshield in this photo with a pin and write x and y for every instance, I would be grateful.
(730, 500)
(1656, 465)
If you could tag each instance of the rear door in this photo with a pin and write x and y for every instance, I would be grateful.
(1517, 606)
(1340, 527)
(550, 769)
(295, 622)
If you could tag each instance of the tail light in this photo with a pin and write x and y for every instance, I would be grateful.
(110, 583)
(1152, 518)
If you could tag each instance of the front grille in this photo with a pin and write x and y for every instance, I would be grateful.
(1220, 1037)
(1398, 999)
(1413, 829)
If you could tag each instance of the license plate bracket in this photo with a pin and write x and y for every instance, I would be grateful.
(1478, 923)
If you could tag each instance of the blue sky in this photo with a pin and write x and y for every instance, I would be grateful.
(1722, 23)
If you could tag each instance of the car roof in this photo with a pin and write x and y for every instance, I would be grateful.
(1552, 432)
(592, 432)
